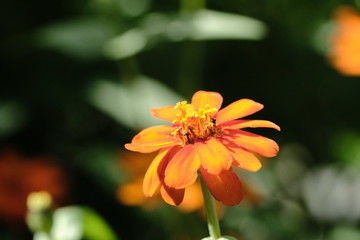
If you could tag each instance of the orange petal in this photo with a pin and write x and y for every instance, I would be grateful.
(167, 113)
(155, 173)
(181, 171)
(238, 109)
(253, 142)
(236, 124)
(172, 196)
(152, 139)
(201, 98)
(225, 187)
(242, 158)
(213, 155)
(151, 180)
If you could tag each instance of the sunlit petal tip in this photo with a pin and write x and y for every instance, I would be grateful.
(152, 139)
(239, 124)
(255, 169)
(271, 125)
(147, 194)
(272, 151)
(140, 148)
(238, 109)
(252, 142)
(276, 150)
(251, 167)
(243, 158)
(149, 191)
(167, 113)
(129, 146)
(201, 98)
(150, 185)
(132, 147)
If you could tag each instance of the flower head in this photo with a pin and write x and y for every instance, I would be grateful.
(203, 138)
(345, 43)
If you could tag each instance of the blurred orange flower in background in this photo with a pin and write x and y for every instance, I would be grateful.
(206, 139)
(134, 166)
(345, 41)
(130, 193)
(19, 176)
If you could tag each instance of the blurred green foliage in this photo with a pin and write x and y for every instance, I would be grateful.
(78, 79)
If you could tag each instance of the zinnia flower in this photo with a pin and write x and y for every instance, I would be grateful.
(345, 43)
(206, 139)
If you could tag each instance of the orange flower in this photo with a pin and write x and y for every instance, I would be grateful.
(134, 165)
(206, 139)
(20, 175)
(345, 46)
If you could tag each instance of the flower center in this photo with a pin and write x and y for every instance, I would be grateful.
(194, 124)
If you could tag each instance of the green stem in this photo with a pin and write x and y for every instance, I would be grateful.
(213, 222)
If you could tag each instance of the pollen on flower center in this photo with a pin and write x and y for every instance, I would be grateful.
(194, 123)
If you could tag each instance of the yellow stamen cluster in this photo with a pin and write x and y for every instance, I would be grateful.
(194, 123)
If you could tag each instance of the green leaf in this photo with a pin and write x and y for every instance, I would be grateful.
(198, 26)
(76, 223)
(126, 44)
(130, 104)
(80, 38)
(344, 232)
(214, 25)
(95, 228)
